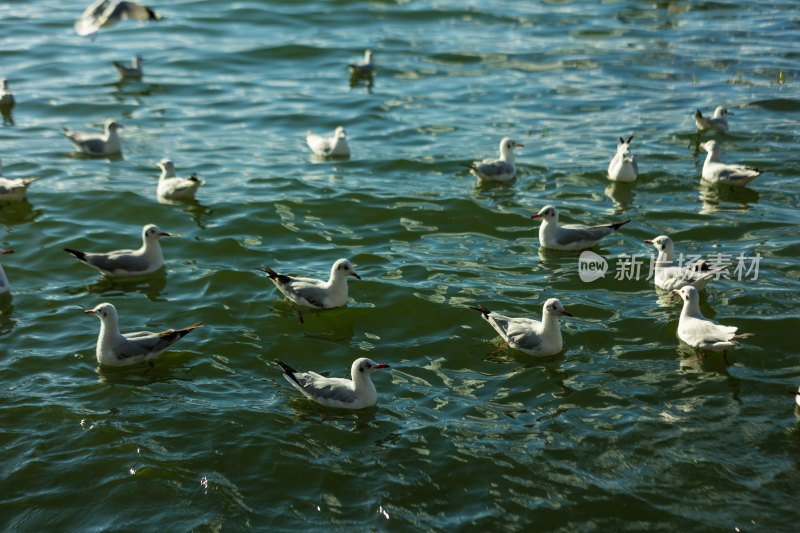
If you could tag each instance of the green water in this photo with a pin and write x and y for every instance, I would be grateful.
(624, 430)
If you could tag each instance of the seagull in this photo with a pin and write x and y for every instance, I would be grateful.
(4, 288)
(497, 170)
(90, 143)
(122, 349)
(103, 14)
(797, 397)
(13, 189)
(171, 187)
(572, 236)
(329, 146)
(718, 122)
(623, 166)
(700, 332)
(128, 263)
(132, 71)
(670, 275)
(527, 335)
(314, 293)
(355, 393)
(363, 68)
(6, 96)
(723, 174)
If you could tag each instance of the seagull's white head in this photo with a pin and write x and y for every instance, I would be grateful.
(710, 147)
(112, 125)
(689, 294)
(548, 212)
(364, 367)
(553, 307)
(343, 268)
(339, 133)
(151, 232)
(662, 243)
(167, 165)
(507, 146)
(721, 111)
(103, 311)
(368, 56)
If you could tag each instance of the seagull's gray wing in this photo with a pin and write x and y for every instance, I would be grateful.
(121, 260)
(132, 10)
(331, 389)
(520, 332)
(93, 146)
(494, 169)
(571, 235)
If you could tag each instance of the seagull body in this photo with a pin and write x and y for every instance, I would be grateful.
(123, 349)
(497, 170)
(355, 393)
(4, 287)
(12, 190)
(670, 275)
(6, 96)
(571, 236)
(527, 335)
(724, 174)
(134, 70)
(93, 144)
(171, 187)
(623, 166)
(364, 67)
(128, 263)
(329, 146)
(104, 14)
(700, 332)
(314, 293)
(718, 122)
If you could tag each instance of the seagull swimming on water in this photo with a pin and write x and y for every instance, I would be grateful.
(355, 393)
(94, 144)
(6, 96)
(128, 263)
(123, 349)
(527, 335)
(314, 293)
(623, 166)
(724, 174)
(104, 14)
(134, 70)
(363, 68)
(670, 275)
(13, 189)
(718, 122)
(700, 332)
(329, 146)
(4, 287)
(497, 170)
(571, 236)
(171, 187)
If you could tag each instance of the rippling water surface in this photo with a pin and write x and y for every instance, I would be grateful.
(624, 430)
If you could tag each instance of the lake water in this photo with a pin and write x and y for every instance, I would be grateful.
(625, 430)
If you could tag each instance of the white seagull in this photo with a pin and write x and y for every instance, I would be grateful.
(700, 332)
(724, 174)
(670, 275)
(128, 263)
(717, 122)
(314, 293)
(571, 236)
(4, 288)
(12, 190)
(364, 67)
(329, 146)
(528, 335)
(122, 349)
(104, 14)
(355, 393)
(171, 187)
(134, 70)
(94, 144)
(623, 166)
(498, 170)
(6, 96)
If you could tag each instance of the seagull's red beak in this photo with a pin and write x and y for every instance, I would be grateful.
(4, 252)
(164, 234)
(565, 313)
(382, 366)
(674, 292)
(537, 215)
(519, 145)
(89, 311)
(649, 241)
(355, 275)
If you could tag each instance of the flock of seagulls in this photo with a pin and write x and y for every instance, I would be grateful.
(533, 337)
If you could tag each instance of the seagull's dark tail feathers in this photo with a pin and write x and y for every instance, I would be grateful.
(470, 166)
(152, 14)
(79, 255)
(482, 309)
(289, 371)
(281, 278)
(194, 178)
(698, 114)
(619, 224)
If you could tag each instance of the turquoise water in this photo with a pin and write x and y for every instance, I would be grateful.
(624, 430)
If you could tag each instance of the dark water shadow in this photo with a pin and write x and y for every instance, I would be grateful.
(150, 286)
(22, 212)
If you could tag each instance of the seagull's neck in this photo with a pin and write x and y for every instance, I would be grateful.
(507, 155)
(665, 257)
(550, 324)
(548, 228)
(166, 173)
(364, 388)
(109, 336)
(713, 156)
(691, 308)
(151, 249)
